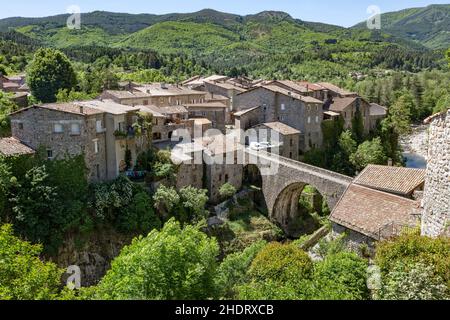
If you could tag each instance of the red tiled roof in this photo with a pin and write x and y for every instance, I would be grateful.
(369, 211)
(397, 180)
(13, 147)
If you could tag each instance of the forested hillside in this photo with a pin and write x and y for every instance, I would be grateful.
(270, 44)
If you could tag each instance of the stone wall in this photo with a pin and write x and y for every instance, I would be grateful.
(436, 217)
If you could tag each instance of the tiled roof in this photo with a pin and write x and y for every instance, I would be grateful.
(227, 86)
(397, 180)
(201, 121)
(69, 107)
(107, 106)
(339, 104)
(173, 110)
(126, 94)
(377, 110)
(154, 110)
(293, 85)
(206, 105)
(163, 90)
(294, 95)
(8, 85)
(242, 112)
(369, 211)
(13, 147)
(332, 87)
(281, 128)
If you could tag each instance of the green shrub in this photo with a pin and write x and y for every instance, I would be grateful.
(281, 262)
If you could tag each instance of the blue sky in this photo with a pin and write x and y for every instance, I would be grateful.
(343, 12)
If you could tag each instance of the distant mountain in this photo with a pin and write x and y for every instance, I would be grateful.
(428, 26)
(270, 42)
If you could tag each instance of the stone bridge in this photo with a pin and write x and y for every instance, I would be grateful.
(283, 181)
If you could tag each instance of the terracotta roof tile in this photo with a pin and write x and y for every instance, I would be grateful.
(13, 147)
(369, 211)
(397, 180)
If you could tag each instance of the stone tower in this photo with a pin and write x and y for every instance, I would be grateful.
(436, 216)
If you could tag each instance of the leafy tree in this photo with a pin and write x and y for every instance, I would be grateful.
(227, 190)
(415, 282)
(340, 276)
(194, 201)
(370, 152)
(23, 275)
(410, 249)
(358, 126)
(232, 272)
(64, 95)
(166, 200)
(5, 184)
(139, 215)
(6, 107)
(174, 263)
(280, 262)
(49, 72)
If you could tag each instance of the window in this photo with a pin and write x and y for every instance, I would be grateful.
(317, 119)
(226, 178)
(292, 142)
(309, 119)
(58, 128)
(96, 146)
(49, 154)
(145, 102)
(283, 107)
(99, 126)
(97, 169)
(220, 177)
(75, 129)
(21, 126)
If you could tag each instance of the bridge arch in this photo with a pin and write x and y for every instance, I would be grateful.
(283, 188)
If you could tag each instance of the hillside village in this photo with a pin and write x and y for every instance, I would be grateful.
(378, 204)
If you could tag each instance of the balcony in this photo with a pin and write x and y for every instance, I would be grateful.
(130, 133)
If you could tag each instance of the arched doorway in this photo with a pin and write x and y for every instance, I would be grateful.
(300, 209)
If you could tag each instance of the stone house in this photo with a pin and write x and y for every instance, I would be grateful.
(101, 130)
(436, 200)
(216, 112)
(221, 163)
(277, 104)
(367, 215)
(347, 108)
(225, 89)
(377, 114)
(286, 136)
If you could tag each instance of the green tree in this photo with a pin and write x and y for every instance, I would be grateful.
(415, 282)
(49, 72)
(194, 201)
(370, 152)
(139, 215)
(6, 107)
(166, 200)
(5, 184)
(174, 263)
(23, 275)
(358, 126)
(227, 190)
(340, 276)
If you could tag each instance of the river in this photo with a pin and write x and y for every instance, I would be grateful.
(415, 146)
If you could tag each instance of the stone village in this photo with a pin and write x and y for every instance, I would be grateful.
(379, 203)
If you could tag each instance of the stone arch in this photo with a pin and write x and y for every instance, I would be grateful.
(290, 215)
(252, 178)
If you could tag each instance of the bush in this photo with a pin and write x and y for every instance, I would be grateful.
(23, 275)
(340, 276)
(174, 263)
(232, 271)
(281, 262)
(413, 282)
(227, 191)
(411, 249)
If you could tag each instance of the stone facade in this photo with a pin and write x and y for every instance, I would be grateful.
(436, 217)
(277, 107)
(36, 128)
(215, 112)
